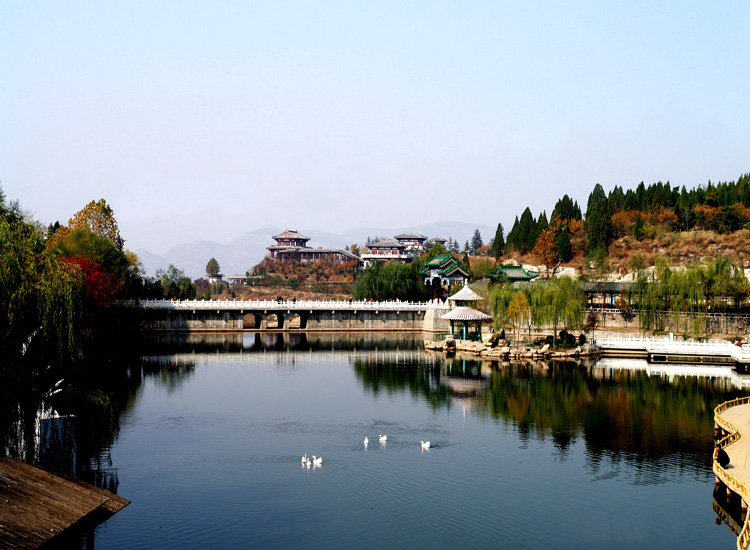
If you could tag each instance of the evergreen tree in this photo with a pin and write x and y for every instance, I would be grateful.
(599, 226)
(542, 224)
(510, 243)
(526, 228)
(566, 209)
(498, 244)
(564, 248)
(476, 241)
(212, 268)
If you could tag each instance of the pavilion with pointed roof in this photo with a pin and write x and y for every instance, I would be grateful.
(465, 314)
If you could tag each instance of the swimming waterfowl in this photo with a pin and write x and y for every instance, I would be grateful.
(304, 459)
(425, 444)
(366, 441)
(317, 461)
(382, 438)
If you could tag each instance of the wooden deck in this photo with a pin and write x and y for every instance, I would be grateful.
(734, 417)
(36, 506)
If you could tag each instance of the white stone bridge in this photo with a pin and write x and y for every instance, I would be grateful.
(195, 315)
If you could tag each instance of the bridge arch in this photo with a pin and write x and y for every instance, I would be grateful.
(250, 320)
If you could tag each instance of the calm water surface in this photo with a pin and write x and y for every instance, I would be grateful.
(561, 455)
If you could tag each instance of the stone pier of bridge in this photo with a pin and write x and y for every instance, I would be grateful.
(200, 315)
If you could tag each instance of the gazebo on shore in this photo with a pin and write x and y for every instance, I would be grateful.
(465, 314)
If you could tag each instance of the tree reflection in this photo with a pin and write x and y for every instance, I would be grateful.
(626, 415)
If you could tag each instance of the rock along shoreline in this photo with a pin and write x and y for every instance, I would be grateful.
(502, 350)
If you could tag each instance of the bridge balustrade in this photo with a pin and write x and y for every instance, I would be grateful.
(301, 305)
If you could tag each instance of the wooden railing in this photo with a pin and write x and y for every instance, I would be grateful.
(743, 541)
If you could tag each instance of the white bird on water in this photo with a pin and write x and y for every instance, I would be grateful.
(304, 459)
(317, 461)
(425, 444)
(366, 441)
(382, 438)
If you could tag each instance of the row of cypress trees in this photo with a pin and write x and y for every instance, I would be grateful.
(720, 207)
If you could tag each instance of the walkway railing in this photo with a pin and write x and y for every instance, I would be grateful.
(291, 305)
(740, 354)
(743, 541)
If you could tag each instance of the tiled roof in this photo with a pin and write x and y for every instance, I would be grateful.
(411, 236)
(516, 273)
(466, 295)
(446, 264)
(290, 234)
(440, 260)
(465, 314)
(385, 242)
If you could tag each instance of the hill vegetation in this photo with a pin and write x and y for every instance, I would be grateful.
(650, 221)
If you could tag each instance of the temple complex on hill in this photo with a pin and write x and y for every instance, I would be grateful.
(292, 245)
(402, 248)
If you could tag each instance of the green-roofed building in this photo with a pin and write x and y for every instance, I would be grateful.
(444, 269)
(514, 273)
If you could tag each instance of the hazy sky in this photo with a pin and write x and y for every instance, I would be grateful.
(203, 120)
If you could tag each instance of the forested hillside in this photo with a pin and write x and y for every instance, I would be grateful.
(650, 217)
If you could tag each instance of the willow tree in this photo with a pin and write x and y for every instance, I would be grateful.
(519, 310)
(40, 301)
(557, 301)
(390, 281)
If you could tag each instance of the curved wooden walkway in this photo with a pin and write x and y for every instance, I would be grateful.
(734, 417)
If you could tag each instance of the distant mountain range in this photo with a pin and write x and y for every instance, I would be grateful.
(247, 250)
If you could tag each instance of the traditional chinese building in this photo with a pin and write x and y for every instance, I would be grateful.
(429, 243)
(514, 273)
(413, 241)
(444, 269)
(465, 315)
(292, 245)
(384, 250)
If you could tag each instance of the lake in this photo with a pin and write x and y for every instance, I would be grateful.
(523, 455)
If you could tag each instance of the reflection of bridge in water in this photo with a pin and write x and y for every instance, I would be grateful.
(725, 374)
(290, 348)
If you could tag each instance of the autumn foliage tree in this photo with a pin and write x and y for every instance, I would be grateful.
(545, 251)
(98, 217)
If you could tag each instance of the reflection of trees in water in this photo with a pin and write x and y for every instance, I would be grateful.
(168, 372)
(71, 432)
(627, 416)
(419, 379)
